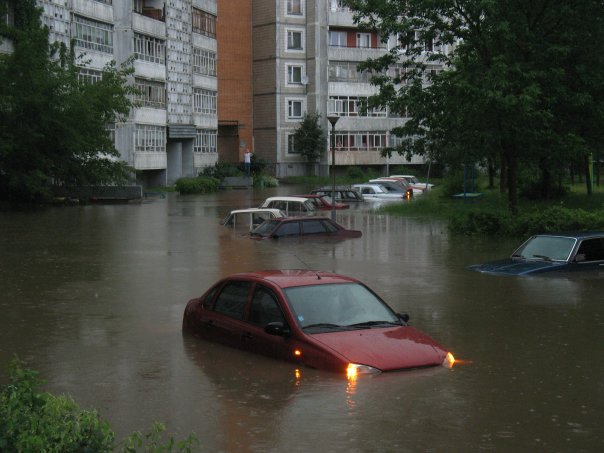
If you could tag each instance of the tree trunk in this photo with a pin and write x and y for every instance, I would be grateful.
(503, 180)
(588, 174)
(512, 181)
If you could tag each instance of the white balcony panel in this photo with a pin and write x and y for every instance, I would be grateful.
(145, 115)
(94, 59)
(353, 53)
(154, 71)
(205, 42)
(205, 122)
(206, 82)
(204, 159)
(148, 26)
(347, 88)
(341, 19)
(150, 161)
(93, 10)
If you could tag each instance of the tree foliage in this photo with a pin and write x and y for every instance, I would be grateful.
(523, 85)
(310, 137)
(53, 125)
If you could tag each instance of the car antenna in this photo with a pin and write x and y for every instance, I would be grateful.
(307, 266)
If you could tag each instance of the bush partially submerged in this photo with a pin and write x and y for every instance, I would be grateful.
(31, 420)
(200, 184)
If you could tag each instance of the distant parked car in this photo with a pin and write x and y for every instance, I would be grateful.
(292, 206)
(250, 218)
(342, 193)
(397, 185)
(324, 201)
(373, 191)
(303, 226)
(414, 182)
(317, 319)
(551, 252)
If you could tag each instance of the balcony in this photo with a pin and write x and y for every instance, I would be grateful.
(146, 9)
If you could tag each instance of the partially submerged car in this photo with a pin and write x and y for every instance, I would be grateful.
(414, 182)
(317, 319)
(292, 206)
(302, 226)
(342, 193)
(250, 218)
(324, 201)
(374, 191)
(551, 252)
(397, 186)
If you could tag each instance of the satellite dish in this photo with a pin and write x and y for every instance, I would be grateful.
(304, 80)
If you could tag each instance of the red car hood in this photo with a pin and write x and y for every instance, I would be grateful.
(385, 348)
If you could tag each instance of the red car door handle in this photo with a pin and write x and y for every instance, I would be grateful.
(247, 336)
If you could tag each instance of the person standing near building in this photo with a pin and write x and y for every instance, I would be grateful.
(247, 161)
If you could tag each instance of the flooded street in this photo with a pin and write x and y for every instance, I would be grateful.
(92, 297)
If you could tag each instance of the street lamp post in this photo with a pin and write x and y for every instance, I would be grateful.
(333, 119)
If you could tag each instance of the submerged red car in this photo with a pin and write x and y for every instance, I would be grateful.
(317, 319)
(302, 226)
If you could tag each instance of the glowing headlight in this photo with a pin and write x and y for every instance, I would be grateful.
(449, 360)
(354, 370)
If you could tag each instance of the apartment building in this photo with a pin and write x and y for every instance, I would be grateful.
(173, 130)
(305, 60)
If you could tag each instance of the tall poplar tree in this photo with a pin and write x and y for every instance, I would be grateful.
(53, 125)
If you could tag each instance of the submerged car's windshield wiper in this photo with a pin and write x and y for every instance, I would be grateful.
(543, 257)
(375, 323)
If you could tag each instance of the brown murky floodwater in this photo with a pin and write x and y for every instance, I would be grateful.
(92, 297)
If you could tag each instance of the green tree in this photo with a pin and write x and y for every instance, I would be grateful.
(310, 138)
(522, 86)
(53, 125)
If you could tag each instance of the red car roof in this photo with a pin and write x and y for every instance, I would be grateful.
(285, 278)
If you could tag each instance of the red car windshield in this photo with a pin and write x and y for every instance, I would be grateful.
(338, 306)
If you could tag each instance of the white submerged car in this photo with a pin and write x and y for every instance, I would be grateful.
(414, 182)
(377, 192)
(250, 218)
(292, 206)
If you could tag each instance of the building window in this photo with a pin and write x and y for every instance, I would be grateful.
(353, 106)
(364, 40)
(204, 102)
(294, 74)
(90, 75)
(361, 140)
(295, 109)
(204, 62)
(337, 38)
(92, 34)
(205, 141)
(294, 40)
(294, 7)
(150, 93)
(291, 146)
(149, 139)
(203, 23)
(346, 71)
(150, 49)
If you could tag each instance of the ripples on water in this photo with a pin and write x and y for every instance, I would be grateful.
(92, 297)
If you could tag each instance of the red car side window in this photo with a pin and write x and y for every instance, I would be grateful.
(264, 308)
(232, 298)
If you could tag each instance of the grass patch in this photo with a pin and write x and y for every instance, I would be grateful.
(489, 214)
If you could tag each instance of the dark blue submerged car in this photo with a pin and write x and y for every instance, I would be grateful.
(551, 252)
